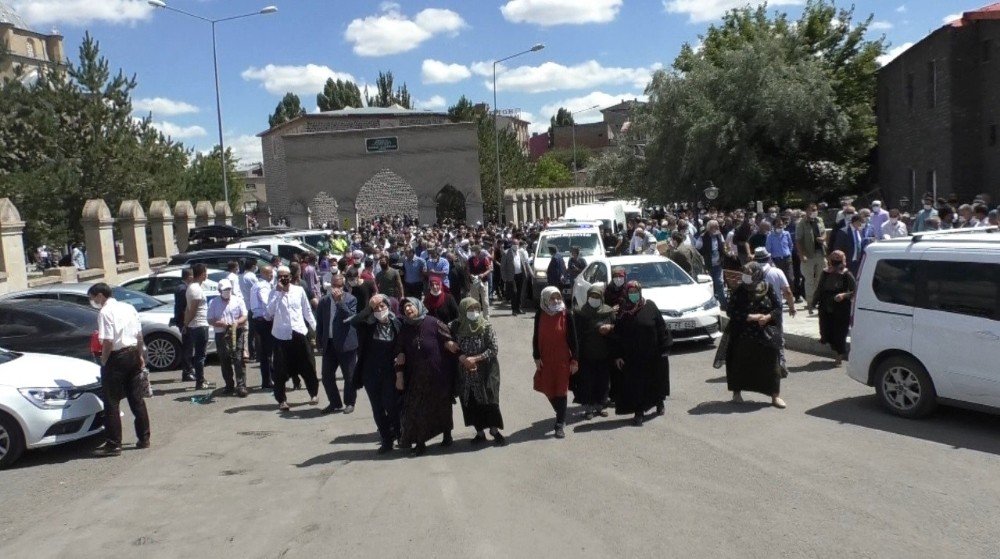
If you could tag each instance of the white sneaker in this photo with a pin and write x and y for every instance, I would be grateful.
(778, 403)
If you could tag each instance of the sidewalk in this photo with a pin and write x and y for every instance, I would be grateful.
(802, 333)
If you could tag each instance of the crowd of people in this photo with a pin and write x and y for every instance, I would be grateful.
(403, 312)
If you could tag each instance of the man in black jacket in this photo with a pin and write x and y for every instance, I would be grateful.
(180, 306)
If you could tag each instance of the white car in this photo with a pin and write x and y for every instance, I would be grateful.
(280, 245)
(926, 324)
(161, 284)
(46, 400)
(689, 307)
(564, 236)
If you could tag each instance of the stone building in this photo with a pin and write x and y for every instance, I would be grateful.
(253, 196)
(27, 51)
(351, 164)
(938, 111)
(596, 135)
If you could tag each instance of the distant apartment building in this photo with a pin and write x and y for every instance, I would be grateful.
(938, 112)
(509, 119)
(599, 135)
(253, 196)
(24, 52)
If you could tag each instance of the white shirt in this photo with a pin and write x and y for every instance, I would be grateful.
(234, 279)
(776, 278)
(520, 257)
(228, 311)
(290, 312)
(259, 295)
(642, 244)
(890, 231)
(119, 323)
(247, 281)
(196, 296)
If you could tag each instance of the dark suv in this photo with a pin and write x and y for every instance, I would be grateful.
(219, 258)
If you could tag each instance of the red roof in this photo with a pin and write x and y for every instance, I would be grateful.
(985, 13)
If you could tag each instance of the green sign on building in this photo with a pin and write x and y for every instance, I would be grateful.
(381, 145)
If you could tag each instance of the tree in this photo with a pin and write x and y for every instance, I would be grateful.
(550, 173)
(515, 169)
(462, 111)
(565, 157)
(203, 178)
(562, 118)
(385, 96)
(337, 95)
(289, 108)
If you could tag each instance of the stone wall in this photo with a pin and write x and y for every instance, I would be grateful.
(386, 193)
(543, 204)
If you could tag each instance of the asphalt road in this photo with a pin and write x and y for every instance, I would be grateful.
(831, 476)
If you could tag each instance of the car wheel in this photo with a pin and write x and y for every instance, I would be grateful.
(163, 353)
(11, 441)
(904, 387)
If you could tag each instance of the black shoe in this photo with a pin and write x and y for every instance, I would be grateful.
(498, 438)
(108, 449)
(637, 420)
(386, 448)
(560, 431)
(229, 390)
(142, 444)
(478, 439)
(447, 440)
(588, 415)
(267, 387)
(330, 409)
(661, 408)
(419, 450)
(187, 377)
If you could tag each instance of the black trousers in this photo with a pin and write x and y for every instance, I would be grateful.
(294, 355)
(559, 406)
(345, 361)
(515, 290)
(120, 379)
(386, 402)
(265, 350)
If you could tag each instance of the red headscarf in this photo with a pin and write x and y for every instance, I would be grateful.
(431, 301)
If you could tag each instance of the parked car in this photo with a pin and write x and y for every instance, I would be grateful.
(161, 284)
(46, 400)
(926, 322)
(47, 326)
(213, 236)
(219, 258)
(282, 246)
(564, 236)
(689, 307)
(163, 340)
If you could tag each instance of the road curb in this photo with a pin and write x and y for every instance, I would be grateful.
(802, 344)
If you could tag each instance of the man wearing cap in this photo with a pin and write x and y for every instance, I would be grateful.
(290, 310)
(228, 316)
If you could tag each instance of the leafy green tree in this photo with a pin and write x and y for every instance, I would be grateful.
(565, 157)
(549, 172)
(337, 95)
(563, 117)
(462, 111)
(385, 96)
(515, 169)
(289, 108)
(203, 178)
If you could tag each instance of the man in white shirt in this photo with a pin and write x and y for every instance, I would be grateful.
(776, 278)
(289, 308)
(247, 282)
(893, 228)
(122, 361)
(642, 242)
(196, 321)
(228, 316)
(260, 294)
(514, 270)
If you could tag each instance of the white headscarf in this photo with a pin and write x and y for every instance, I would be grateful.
(547, 294)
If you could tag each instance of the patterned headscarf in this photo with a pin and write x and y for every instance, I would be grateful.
(628, 308)
(467, 327)
(421, 311)
(757, 284)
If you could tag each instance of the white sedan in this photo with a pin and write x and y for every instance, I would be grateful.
(689, 307)
(46, 400)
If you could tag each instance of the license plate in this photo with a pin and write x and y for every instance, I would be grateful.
(682, 325)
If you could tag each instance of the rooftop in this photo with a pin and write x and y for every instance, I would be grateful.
(395, 110)
(8, 15)
(986, 12)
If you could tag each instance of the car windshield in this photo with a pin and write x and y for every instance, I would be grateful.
(589, 243)
(7, 356)
(140, 301)
(655, 274)
(218, 276)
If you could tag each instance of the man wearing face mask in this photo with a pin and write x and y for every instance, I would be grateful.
(228, 316)
(262, 325)
(514, 268)
(809, 233)
(361, 290)
(480, 270)
(292, 316)
(713, 249)
(928, 211)
(338, 341)
(879, 217)
(891, 229)
(683, 254)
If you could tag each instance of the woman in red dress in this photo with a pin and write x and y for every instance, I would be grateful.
(555, 350)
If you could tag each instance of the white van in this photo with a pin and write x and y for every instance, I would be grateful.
(926, 323)
(610, 214)
(564, 236)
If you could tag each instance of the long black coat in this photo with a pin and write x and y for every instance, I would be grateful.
(643, 341)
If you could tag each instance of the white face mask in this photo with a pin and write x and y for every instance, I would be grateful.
(225, 294)
(381, 316)
(893, 220)
(435, 292)
(927, 206)
(594, 302)
(95, 304)
(747, 279)
(473, 316)
(619, 281)
(812, 215)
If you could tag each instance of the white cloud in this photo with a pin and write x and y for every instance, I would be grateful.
(435, 103)
(950, 18)
(391, 32)
(893, 53)
(880, 26)
(901, 9)
(162, 106)
(246, 148)
(179, 132)
(700, 11)
(551, 76)
(485, 68)
(561, 12)
(82, 12)
(435, 71)
(308, 79)
(599, 98)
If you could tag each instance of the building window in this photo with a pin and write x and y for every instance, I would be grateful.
(250, 187)
(29, 48)
(932, 183)
(992, 135)
(987, 50)
(932, 84)
(909, 91)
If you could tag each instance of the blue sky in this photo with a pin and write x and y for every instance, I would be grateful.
(597, 51)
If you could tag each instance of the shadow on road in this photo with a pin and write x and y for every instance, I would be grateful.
(814, 367)
(717, 380)
(604, 425)
(77, 450)
(357, 438)
(727, 407)
(262, 407)
(955, 427)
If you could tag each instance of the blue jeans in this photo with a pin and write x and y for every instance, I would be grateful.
(199, 339)
(719, 285)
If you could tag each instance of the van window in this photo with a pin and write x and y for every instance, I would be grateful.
(589, 244)
(895, 282)
(968, 288)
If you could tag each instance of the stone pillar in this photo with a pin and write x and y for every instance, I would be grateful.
(223, 213)
(204, 214)
(12, 259)
(515, 216)
(549, 205)
(132, 222)
(98, 233)
(161, 223)
(184, 221)
(522, 206)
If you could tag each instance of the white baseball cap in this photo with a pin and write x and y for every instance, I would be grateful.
(225, 284)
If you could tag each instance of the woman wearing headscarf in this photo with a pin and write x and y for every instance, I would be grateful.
(594, 322)
(426, 377)
(752, 351)
(833, 296)
(643, 356)
(378, 327)
(614, 295)
(439, 303)
(555, 348)
(478, 376)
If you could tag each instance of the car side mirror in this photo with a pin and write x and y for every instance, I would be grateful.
(704, 278)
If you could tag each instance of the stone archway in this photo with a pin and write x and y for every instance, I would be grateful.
(324, 209)
(386, 194)
(450, 204)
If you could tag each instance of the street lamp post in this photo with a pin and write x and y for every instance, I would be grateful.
(496, 127)
(574, 136)
(215, 61)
